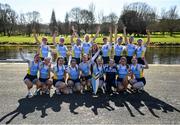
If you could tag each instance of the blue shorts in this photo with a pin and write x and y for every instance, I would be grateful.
(119, 79)
(65, 61)
(42, 80)
(105, 60)
(32, 78)
(129, 58)
(140, 61)
(75, 80)
(141, 80)
(116, 59)
(101, 78)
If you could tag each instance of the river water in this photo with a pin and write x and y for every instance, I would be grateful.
(154, 55)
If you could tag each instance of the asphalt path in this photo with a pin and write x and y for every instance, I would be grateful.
(159, 104)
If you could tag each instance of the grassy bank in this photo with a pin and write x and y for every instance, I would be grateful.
(23, 40)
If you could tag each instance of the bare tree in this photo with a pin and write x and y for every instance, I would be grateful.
(8, 19)
(85, 19)
(75, 16)
(169, 21)
(112, 18)
(137, 16)
(100, 16)
(32, 19)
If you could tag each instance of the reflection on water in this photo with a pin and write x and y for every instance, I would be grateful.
(154, 55)
(163, 55)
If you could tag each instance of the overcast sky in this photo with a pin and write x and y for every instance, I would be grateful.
(62, 6)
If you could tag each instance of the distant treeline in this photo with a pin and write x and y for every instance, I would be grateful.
(137, 17)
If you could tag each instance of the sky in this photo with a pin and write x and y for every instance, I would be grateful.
(45, 7)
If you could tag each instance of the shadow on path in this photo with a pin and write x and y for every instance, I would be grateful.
(42, 103)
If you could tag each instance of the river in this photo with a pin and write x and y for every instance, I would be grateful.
(154, 55)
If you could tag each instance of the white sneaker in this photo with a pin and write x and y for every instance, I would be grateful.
(47, 92)
(103, 90)
(36, 93)
(29, 95)
(81, 91)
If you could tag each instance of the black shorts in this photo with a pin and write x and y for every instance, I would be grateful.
(129, 58)
(116, 59)
(43, 80)
(85, 78)
(42, 58)
(105, 60)
(119, 79)
(102, 78)
(75, 80)
(30, 77)
(78, 60)
(65, 61)
(111, 83)
(141, 80)
(140, 61)
(57, 80)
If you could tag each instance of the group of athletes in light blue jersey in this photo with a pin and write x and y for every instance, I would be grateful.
(118, 66)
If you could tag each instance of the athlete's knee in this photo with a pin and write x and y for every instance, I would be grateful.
(70, 83)
(78, 86)
(65, 91)
(120, 86)
(138, 85)
(62, 85)
(83, 83)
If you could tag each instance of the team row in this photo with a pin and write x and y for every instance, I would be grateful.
(90, 73)
(89, 47)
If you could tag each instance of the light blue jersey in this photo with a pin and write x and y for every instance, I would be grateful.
(59, 72)
(44, 71)
(44, 50)
(122, 71)
(62, 50)
(138, 70)
(85, 68)
(73, 72)
(106, 50)
(86, 47)
(76, 51)
(118, 50)
(33, 68)
(131, 48)
(140, 51)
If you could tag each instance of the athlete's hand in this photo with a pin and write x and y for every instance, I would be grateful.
(72, 28)
(98, 28)
(49, 65)
(55, 33)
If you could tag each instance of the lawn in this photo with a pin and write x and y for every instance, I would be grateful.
(155, 39)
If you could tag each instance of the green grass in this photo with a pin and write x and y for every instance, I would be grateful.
(155, 39)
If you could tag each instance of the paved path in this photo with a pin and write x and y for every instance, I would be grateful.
(160, 104)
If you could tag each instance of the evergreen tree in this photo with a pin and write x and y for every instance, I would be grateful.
(53, 23)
